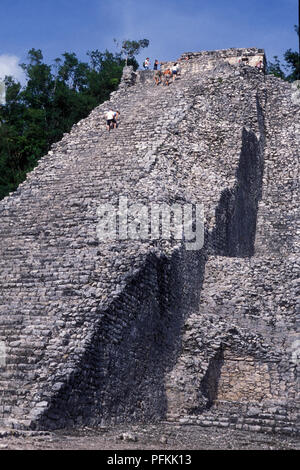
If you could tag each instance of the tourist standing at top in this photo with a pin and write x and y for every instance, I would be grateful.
(155, 64)
(147, 63)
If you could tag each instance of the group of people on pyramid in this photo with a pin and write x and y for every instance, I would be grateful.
(162, 76)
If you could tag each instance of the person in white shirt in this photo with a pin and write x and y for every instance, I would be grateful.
(175, 71)
(111, 118)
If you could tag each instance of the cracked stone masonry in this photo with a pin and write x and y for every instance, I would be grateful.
(103, 332)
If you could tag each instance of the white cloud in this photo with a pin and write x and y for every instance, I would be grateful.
(2, 98)
(9, 65)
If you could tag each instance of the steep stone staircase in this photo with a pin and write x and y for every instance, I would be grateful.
(46, 233)
(97, 330)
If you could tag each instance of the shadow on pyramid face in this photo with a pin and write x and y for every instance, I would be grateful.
(236, 213)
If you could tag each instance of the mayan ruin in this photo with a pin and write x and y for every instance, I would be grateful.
(141, 329)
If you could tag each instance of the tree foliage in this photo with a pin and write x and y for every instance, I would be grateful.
(132, 48)
(53, 99)
(290, 70)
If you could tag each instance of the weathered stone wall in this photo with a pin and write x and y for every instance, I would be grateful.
(193, 62)
(143, 330)
(247, 56)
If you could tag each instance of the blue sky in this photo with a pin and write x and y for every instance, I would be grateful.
(172, 26)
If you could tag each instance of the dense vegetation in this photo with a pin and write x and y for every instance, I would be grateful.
(290, 69)
(53, 99)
